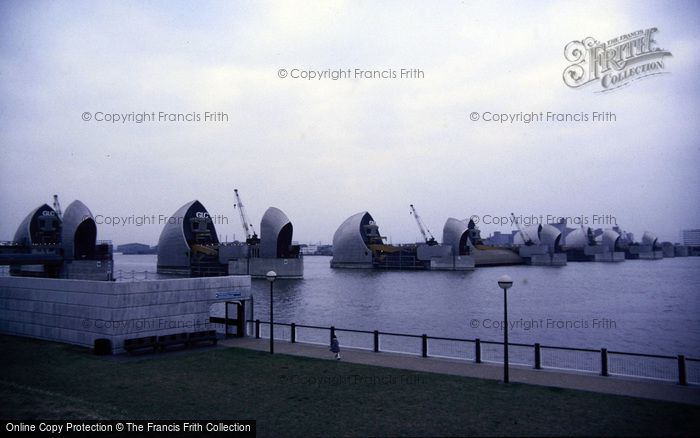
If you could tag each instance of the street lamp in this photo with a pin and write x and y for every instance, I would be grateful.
(505, 282)
(271, 277)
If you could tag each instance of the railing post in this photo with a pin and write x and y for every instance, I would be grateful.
(332, 332)
(257, 329)
(603, 361)
(226, 320)
(682, 376)
(538, 357)
(376, 341)
(425, 345)
(477, 350)
(294, 333)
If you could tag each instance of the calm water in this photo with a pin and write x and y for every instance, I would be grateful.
(638, 305)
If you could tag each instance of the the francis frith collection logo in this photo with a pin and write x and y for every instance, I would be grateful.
(614, 63)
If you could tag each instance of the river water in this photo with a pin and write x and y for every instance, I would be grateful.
(644, 306)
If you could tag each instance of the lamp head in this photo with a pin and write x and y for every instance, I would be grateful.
(271, 276)
(505, 282)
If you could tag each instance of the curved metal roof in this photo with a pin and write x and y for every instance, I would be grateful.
(550, 236)
(531, 231)
(649, 238)
(275, 233)
(578, 238)
(350, 240)
(36, 229)
(79, 233)
(456, 234)
(609, 239)
(177, 235)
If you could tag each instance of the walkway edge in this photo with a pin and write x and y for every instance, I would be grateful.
(632, 387)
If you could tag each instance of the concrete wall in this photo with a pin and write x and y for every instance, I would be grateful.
(610, 256)
(452, 263)
(496, 257)
(645, 252)
(533, 251)
(559, 259)
(427, 252)
(80, 311)
(680, 251)
(351, 265)
(538, 259)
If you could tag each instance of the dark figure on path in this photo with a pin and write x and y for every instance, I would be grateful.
(335, 347)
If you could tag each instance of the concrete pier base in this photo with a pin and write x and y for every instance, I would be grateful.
(452, 263)
(610, 257)
(258, 267)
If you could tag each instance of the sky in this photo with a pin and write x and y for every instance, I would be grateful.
(323, 150)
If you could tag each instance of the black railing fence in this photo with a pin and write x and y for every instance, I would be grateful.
(680, 369)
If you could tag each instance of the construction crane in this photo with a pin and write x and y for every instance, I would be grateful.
(526, 237)
(251, 236)
(427, 235)
(57, 207)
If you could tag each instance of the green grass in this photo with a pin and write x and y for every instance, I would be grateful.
(294, 396)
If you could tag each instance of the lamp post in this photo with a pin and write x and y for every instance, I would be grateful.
(271, 277)
(505, 282)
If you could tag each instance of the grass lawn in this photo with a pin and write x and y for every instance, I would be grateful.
(294, 396)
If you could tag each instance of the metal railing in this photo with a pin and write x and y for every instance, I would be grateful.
(680, 369)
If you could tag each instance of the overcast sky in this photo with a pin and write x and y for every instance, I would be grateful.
(324, 150)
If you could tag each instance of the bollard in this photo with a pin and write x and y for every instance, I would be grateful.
(425, 345)
(603, 361)
(682, 375)
(376, 341)
(477, 350)
(257, 329)
(294, 333)
(538, 357)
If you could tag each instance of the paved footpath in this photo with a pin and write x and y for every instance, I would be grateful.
(582, 381)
